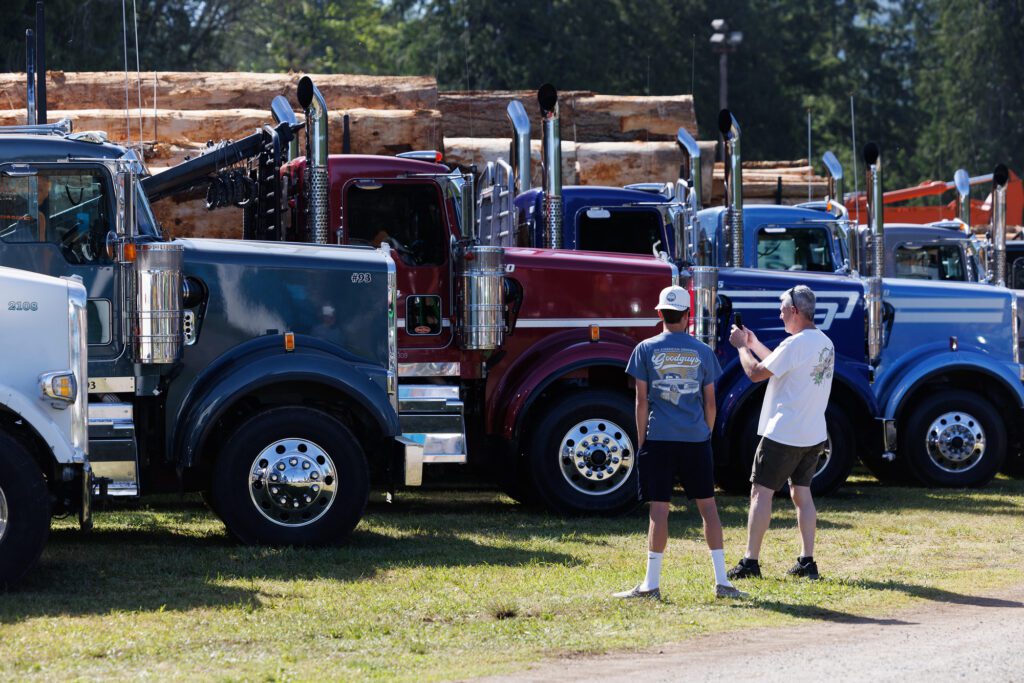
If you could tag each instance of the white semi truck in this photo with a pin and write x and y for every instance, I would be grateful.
(44, 464)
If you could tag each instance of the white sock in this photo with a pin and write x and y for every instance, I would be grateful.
(653, 578)
(718, 559)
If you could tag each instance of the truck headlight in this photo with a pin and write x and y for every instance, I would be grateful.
(61, 386)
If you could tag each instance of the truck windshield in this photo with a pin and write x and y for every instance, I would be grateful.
(930, 262)
(794, 248)
(67, 207)
(633, 231)
(408, 216)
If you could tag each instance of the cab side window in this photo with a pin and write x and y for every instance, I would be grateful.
(67, 208)
(798, 249)
(1017, 273)
(930, 262)
(407, 216)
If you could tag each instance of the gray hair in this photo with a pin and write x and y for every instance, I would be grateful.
(801, 298)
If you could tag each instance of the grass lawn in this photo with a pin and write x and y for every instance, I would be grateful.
(444, 585)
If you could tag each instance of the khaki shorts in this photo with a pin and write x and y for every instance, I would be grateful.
(776, 463)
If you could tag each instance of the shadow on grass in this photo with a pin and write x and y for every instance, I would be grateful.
(936, 594)
(460, 510)
(150, 570)
(819, 613)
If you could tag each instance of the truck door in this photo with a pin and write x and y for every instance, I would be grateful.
(411, 217)
(54, 219)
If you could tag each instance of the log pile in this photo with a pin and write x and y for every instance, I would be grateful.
(585, 116)
(761, 182)
(607, 139)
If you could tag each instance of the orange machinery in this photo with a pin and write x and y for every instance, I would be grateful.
(981, 211)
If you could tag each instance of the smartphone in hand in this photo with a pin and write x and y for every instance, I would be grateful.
(738, 319)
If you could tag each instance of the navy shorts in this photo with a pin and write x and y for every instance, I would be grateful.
(659, 463)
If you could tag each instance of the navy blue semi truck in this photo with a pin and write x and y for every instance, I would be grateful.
(928, 381)
(262, 375)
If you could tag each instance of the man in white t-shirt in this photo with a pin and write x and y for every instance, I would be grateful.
(792, 426)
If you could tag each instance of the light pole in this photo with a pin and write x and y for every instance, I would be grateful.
(724, 41)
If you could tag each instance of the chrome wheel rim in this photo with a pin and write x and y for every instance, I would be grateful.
(596, 457)
(3, 515)
(955, 441)
(825, 458)
(293, 482)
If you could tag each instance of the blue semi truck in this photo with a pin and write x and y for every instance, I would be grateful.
(928, 380)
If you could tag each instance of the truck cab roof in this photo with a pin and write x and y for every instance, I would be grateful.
(23, 148)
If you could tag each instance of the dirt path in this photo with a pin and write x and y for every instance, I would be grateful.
(961, 638)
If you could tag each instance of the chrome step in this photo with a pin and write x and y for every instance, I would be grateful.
(433, 427)
(113, 449)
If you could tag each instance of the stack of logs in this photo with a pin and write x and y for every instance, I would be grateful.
(607, 140)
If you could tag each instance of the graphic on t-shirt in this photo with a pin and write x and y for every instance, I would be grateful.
(678, 374)
(823, 370)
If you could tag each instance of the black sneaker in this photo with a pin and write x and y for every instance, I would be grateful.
(745, 569)
(805, 568)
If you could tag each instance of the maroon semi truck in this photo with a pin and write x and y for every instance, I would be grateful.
(510, 359)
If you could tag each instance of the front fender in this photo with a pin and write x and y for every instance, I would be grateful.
(266, 364)
(897, 388)
(55, 432)
(537, 370)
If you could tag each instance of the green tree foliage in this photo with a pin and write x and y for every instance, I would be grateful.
(971, 86)
(314, 36)
(88, 35)
(938, 83)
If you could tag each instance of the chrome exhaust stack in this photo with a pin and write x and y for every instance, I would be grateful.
(876, 221)
(1000, 176)
(730, 131)
(835, 200)
(704, 275)
(547, 98)
(282, 113)
(962, 182)
(30, 73)
(688, 194)
(316, 159)
(519, 154)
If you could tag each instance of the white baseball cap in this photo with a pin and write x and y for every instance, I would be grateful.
(674, 298)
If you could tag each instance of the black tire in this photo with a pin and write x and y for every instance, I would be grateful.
(292, 437)
(930, 447)
(558, 483)
(832, 473)
(24, 511)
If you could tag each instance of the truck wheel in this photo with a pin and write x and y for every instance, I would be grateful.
(291, 476)
(24, 511)
(582, 454)
(833, 467)
(955, 439)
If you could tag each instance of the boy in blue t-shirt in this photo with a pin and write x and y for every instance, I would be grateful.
(675, 411)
